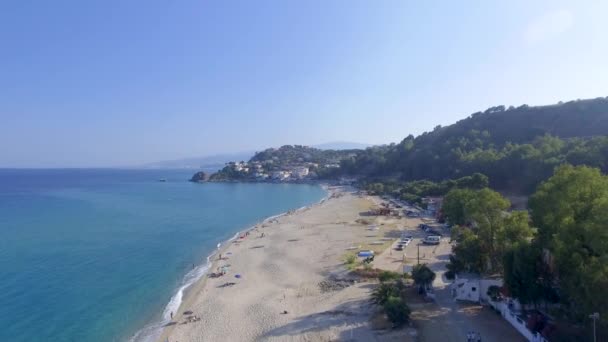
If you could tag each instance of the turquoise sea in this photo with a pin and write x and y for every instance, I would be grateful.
(97, 255)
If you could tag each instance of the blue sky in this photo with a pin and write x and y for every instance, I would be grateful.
(111, 83)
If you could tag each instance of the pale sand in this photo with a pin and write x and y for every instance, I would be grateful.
(281, 272)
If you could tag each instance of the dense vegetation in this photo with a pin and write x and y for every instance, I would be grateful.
(414, 191)
(484, 231)
(563, 259)
(516, 148)
(289, 155)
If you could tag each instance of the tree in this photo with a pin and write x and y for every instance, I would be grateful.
(570, 210)
(487, 209)
(423, 275)
(516, 229)
(480, 248)
(454, 205)
(383, 292)
(475, 181)
(468, 253)
(521, 276)
(397, 310)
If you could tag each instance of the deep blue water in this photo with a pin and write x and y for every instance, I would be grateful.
(95, 255)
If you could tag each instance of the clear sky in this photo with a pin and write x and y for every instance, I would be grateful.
(108, 83)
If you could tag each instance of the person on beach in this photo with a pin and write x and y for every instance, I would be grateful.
(220, 256)
(171, 314)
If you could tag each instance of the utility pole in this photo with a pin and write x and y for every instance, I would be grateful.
(594, 316)
(418, 245)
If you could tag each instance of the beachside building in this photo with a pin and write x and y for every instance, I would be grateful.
(472, 287)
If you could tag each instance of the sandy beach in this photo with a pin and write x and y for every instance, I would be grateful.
(287, 281)
(278, 296)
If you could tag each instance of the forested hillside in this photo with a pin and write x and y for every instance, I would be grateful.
(297, 154)
(515, 147)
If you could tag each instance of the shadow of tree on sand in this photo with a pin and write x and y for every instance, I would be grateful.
(354, 314)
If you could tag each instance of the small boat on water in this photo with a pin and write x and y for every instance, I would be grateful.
(162, 180)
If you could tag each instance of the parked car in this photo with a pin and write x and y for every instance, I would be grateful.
(432, 240)
(399, 247)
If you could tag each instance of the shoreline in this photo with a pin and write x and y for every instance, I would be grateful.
(276, 277)
(197, 277)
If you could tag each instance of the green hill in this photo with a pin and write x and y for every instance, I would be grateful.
(515, 147)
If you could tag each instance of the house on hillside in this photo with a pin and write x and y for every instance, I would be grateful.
(280, 175)
(299, 172)
(472, 287)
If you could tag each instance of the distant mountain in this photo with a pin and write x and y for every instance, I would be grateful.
(342, 145)
(208, 162)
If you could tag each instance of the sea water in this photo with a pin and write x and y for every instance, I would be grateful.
(97, 255)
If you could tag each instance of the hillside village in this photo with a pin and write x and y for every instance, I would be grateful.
(285, 164)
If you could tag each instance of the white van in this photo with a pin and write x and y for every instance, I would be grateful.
(432, 240)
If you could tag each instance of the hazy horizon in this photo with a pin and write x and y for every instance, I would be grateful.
(111, 83)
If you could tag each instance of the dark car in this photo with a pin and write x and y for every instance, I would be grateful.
(434, 232)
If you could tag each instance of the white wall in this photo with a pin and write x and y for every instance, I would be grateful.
(516, 322)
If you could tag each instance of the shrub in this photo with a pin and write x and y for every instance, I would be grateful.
(350, 259)
(494, 292)
(382, 293)
(396, 310)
